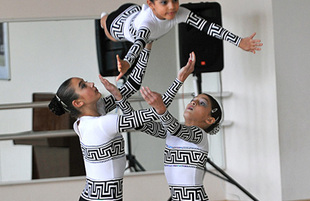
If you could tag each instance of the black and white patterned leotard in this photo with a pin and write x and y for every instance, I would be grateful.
(102, 143)
(139, 25)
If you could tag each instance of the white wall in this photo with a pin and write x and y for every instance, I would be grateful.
(292, 28)
(252, 145)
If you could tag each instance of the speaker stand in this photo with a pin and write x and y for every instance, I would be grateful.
(133, 163)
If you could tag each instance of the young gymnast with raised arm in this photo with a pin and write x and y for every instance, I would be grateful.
(186, 151)
(141, 25)
(99, 133)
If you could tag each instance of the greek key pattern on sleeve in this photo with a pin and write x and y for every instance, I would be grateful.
(140, 41)
(192, 134)
(109, 103)
(136, 119)
(134, 81)
(196, 21)
(125, 106)
(193, 158)
(108, 151)
(171, 92)
(188, 193)
(103, 190)
(212, 29)
(117, 27)
(155, 129)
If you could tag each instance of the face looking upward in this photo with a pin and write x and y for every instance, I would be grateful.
(198, 112)
(88, 93)
(164, 9)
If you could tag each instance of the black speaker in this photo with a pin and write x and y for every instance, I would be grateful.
(208, 50)
(107, 51)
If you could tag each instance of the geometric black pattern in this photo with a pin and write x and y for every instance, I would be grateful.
(133, 84)
(140, 41)
(171, 92)
(136, 119)
(141, 118)
(155, 128)
(108, 151)
(188, 193)
(193, 158)
(117, 26)
(117, 32)
(192, 134)
(103, 190)
(212, 29)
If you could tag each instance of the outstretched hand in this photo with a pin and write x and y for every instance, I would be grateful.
(188, 68)
(111, 88)
(122, 67)
(251, 45)
(154, 99)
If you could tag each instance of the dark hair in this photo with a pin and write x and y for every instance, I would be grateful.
(216, 113)
(62, 101)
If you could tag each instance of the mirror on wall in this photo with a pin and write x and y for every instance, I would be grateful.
(45, 53)
(4, 52)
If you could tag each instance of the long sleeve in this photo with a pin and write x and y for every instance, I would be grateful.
(212, 29)
(141, 39)
(131, 86)
(156, 129)
(192, 134)
(147, 117)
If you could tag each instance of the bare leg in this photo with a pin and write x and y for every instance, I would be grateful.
(104, 25)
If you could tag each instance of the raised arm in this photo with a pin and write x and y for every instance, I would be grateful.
(133, 83)
(132, 54)
(212, 29)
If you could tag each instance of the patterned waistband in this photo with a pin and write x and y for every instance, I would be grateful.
(103, 190)
(188, 193)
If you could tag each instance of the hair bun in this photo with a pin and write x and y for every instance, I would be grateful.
(56, 107)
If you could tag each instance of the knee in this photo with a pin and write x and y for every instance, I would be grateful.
(103, 21)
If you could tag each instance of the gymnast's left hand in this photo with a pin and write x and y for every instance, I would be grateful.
(251, 45)
(154, 99)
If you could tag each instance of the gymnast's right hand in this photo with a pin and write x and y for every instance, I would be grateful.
(111, 88)
(122, 67)
(188, 68)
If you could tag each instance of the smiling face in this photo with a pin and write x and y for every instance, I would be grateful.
(198, 112)
(164, 9)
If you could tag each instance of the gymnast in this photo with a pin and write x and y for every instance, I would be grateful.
(141, 25)
(186, 150)
(99, 133)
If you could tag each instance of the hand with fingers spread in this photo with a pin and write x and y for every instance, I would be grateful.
(111, 88)
(251, 45)
(122, 67)
(188, 68)
(154, 99)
